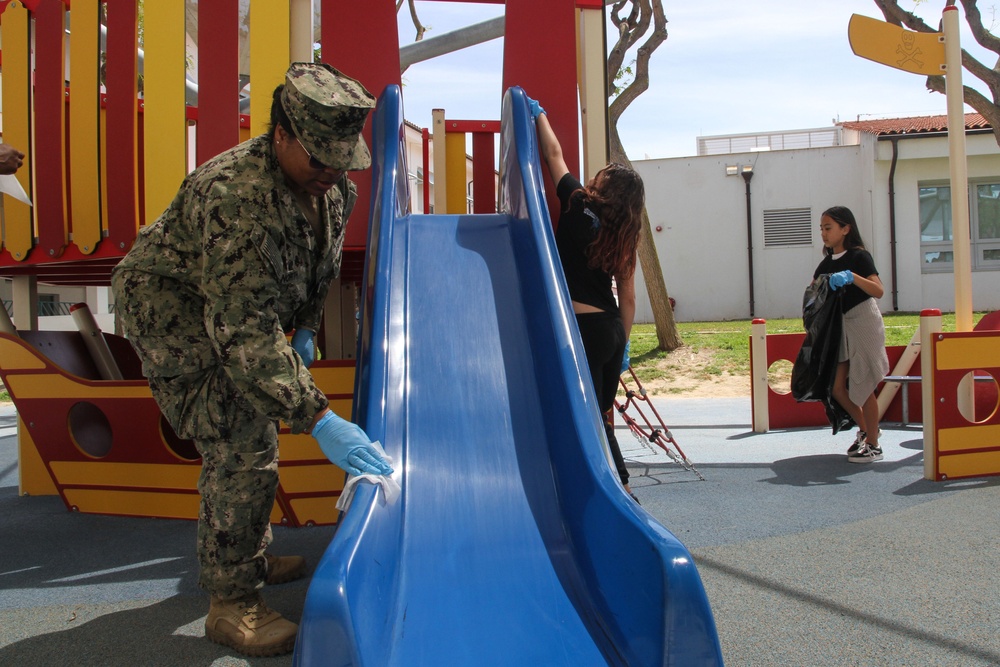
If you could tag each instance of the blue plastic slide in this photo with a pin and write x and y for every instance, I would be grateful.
(512, 542)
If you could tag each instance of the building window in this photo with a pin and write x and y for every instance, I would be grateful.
(48, 304)
(936, 227)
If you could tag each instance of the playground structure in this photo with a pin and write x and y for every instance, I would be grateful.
(654, 435)
(516, 499)
(103, 160)
(955, 394)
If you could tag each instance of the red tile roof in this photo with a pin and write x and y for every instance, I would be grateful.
(914, 125)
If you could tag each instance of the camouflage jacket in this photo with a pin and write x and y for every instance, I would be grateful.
(225, 271)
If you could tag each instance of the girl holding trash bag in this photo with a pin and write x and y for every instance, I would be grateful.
(597, 237)
(862, 362)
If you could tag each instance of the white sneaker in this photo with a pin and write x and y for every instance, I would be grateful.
(867, 454)
(859, 441)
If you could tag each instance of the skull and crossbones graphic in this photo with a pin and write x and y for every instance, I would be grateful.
(909, 50)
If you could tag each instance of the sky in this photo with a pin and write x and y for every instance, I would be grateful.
(727, 67)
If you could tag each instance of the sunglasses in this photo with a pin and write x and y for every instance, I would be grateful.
(313, 162)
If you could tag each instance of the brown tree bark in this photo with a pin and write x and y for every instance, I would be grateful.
(642, 17)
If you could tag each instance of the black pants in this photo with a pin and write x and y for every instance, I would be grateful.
(603, 337)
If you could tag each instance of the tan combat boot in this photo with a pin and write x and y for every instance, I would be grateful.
(249, 627)
(282, 569)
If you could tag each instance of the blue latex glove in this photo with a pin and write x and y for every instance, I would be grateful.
(347, 446)
(625, 358)
(535, 108)
(838, 280)
(304, 342)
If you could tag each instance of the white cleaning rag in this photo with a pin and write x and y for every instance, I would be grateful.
(390, 487)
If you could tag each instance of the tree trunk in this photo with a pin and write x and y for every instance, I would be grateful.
(667, 336)
(632, 25)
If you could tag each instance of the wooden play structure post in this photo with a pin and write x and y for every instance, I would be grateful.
(959, 168)
(439, 133)
(930, 324)
(758, 375)
(113, 162)
(592, 77)
(25, 293)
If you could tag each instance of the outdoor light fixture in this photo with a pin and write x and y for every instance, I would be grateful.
(731, 169)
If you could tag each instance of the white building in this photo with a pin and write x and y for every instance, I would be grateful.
(893, 174)
(698, 211)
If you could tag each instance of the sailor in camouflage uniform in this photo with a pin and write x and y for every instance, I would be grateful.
(244, 253)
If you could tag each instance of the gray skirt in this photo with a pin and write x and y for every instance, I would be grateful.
(863, 345)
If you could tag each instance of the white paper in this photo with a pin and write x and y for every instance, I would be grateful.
(9, 185)
(390, 487)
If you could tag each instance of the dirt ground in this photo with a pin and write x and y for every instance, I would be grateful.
(686, 374)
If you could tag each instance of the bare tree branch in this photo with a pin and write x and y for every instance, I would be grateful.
(631, 30)
(990, 109)
(983, 37)
(413, 16)
(640, 83)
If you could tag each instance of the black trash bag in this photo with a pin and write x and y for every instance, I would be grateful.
(816, 364)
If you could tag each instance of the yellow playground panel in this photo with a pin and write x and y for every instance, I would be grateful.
(104, 447)
(965, 435)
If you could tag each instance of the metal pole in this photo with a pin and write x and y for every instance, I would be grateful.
(450, 42)
(94, 340)
(959, 171)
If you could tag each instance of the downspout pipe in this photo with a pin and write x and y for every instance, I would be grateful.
(892, 220)
(747, 175)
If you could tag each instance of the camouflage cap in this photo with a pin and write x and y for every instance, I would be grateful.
(328, 111)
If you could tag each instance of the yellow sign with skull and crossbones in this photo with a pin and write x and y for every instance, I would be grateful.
(917, 52)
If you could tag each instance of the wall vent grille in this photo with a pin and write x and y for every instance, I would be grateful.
(788, 227)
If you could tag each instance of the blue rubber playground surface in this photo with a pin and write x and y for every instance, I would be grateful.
(806, 559)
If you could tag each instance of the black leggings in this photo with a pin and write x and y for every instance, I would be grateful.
(603, 337)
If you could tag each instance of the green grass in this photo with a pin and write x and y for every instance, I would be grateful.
(728, 340)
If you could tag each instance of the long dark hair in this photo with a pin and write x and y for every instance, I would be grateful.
(278, 115)
(617, 196)
(843, 216)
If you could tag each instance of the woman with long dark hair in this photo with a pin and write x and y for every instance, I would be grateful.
(862, 362)
(597, 236)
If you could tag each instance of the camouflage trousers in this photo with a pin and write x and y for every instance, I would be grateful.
(239, 478)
